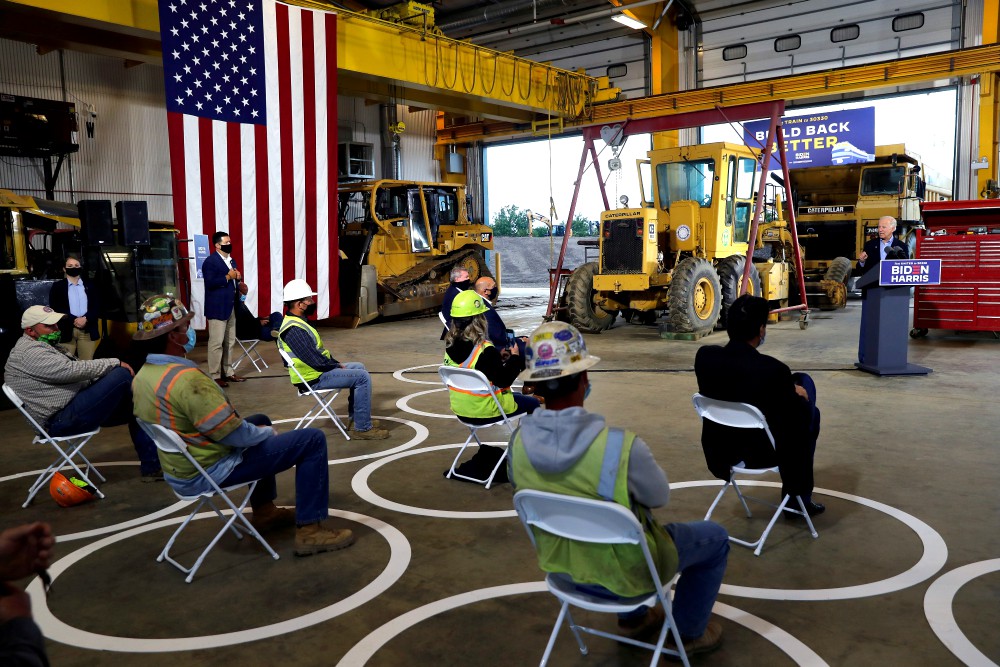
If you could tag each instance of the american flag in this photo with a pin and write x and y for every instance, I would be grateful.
(251, 89)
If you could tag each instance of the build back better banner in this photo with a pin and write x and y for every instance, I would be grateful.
(821, 139)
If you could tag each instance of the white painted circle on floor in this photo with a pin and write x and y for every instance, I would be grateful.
(360, 485)
(404, 405)
(938, 603)
(421, 434)
(55, 629)
(366, 649)
(437, 379)
(935, 554)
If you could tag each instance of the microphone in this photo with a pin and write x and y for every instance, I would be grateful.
(895, 252)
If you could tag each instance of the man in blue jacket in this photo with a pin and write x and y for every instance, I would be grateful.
(222, 287)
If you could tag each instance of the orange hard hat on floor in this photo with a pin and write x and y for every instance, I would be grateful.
(67, 493)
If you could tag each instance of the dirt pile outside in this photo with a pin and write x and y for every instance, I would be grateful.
(525, 262)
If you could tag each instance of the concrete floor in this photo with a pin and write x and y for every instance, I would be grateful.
(905, 571)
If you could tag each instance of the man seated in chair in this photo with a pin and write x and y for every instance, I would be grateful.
(318, 367)
(486, 287)
(172, 391)
(565, 449)
(738, 372)
(67, 395)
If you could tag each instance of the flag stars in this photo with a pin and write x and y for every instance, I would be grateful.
(253, 113)
(184, 23)
(245, 101)
(236, 112)
(215, 65)
(175, 32)
(218, 87)
(225, 77)
(198, 106)
(243, 38)
(196, 60)
(177, 78)
(179, 100)
(189, 92)
(226, 100)
(186, 46)
(214, 21)
(197, 83)
(187, 69)
(218, 109)
(176, 54)
(252, 50)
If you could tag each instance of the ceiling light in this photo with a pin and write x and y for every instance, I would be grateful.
(629, 21)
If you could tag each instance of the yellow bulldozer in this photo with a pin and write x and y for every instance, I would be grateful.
(399, 241)
(684, 249)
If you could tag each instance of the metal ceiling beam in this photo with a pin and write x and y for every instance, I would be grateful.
(918, 69)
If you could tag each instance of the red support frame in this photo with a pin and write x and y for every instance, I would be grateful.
(739, 113)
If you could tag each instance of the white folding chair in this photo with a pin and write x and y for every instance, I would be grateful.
(598, 522)
(744, 415)
(250, 352)
(170, 442)
(323, 398)
(469, 379)
(443, 319)
(73, 448)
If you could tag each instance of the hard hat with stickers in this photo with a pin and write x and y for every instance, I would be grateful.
(160, 314)
(555, 350)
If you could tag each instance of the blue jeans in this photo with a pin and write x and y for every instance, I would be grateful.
(702, 550)
(306, 450)
(354, 376)
(107, 402)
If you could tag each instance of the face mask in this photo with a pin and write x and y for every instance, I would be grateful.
(228, 248)
(51, 338)
(492, 294)
(243, 297)
(189, 344)
(73, 271)
(310, 310)
(464, 285)
(587, 393)
(761, 343)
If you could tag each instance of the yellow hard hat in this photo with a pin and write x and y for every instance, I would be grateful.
(555, 350)
(467, 304)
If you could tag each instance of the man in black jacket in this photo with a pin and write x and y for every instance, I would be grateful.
(739, 372)
(875, 250)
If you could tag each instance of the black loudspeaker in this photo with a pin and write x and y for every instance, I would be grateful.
(133, 223)
(95, 222)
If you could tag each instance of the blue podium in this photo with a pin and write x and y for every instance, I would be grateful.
(885, 325)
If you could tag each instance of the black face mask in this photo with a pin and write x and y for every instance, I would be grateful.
(73, 271)
(228, 248)
(464, 285)
(310, 310)
(492, 294)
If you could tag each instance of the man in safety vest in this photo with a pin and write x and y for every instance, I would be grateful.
(318, 367)
(171, 391)
(565, 449)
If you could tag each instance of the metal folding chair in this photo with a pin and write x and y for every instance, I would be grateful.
(250, 352)
(323, 398)
(744, 415)
(73, 448)
(469, 379)
(597, 522)
(171, 442)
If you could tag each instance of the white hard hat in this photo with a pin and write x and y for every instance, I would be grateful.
(555, 350)
(297, 289)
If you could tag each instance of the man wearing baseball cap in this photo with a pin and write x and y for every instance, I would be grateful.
(565, 449)
(172, 391)
(67, 395)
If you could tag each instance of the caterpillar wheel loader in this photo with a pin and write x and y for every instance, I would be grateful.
(399, 241)
(684, 249)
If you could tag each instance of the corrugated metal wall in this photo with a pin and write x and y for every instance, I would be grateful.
(127, 157)
(417, 145)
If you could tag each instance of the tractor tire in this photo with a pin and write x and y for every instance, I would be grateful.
(695, 297)
(584, 314)
(475, 264)
(839, 270)
(730, 276)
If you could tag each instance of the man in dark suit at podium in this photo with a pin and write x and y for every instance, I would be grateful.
(876, 249)
(738, 372)
(223, 286)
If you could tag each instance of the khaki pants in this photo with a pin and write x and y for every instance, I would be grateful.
(221, 337)
(80, 345)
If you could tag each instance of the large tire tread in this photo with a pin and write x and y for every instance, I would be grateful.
(684, 316)
(730, 274)
(583, 314)
(839, 270)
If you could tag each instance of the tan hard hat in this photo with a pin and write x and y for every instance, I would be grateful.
(555, 350)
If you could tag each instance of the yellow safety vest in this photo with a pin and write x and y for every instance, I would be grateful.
(601, 473)
(478, 404)
(307, 372)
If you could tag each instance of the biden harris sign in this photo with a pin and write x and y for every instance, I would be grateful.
(821, 139)
(893, 272)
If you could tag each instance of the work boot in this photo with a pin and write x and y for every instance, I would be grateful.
(156, 476)
(350, 424)
(315, 539)
(269, 517)
(642, 626)
(710, 640)
(371, 434)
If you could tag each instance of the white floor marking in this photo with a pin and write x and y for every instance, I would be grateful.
(939, 601)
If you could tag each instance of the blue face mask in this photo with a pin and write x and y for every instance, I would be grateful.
(587, 393)
(189, 345)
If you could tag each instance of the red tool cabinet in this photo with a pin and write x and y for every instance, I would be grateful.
(965, 236)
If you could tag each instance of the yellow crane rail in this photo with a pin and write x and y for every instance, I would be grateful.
(963, 62)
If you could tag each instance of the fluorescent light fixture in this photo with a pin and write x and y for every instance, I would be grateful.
(629, 22)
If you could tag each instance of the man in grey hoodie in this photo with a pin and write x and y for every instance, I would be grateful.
(565, 449)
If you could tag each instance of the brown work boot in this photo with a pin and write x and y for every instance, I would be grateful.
(350, 424)
(710, 640)
(371, 434)
(315, 539)
(269, 517)
(642, 626)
